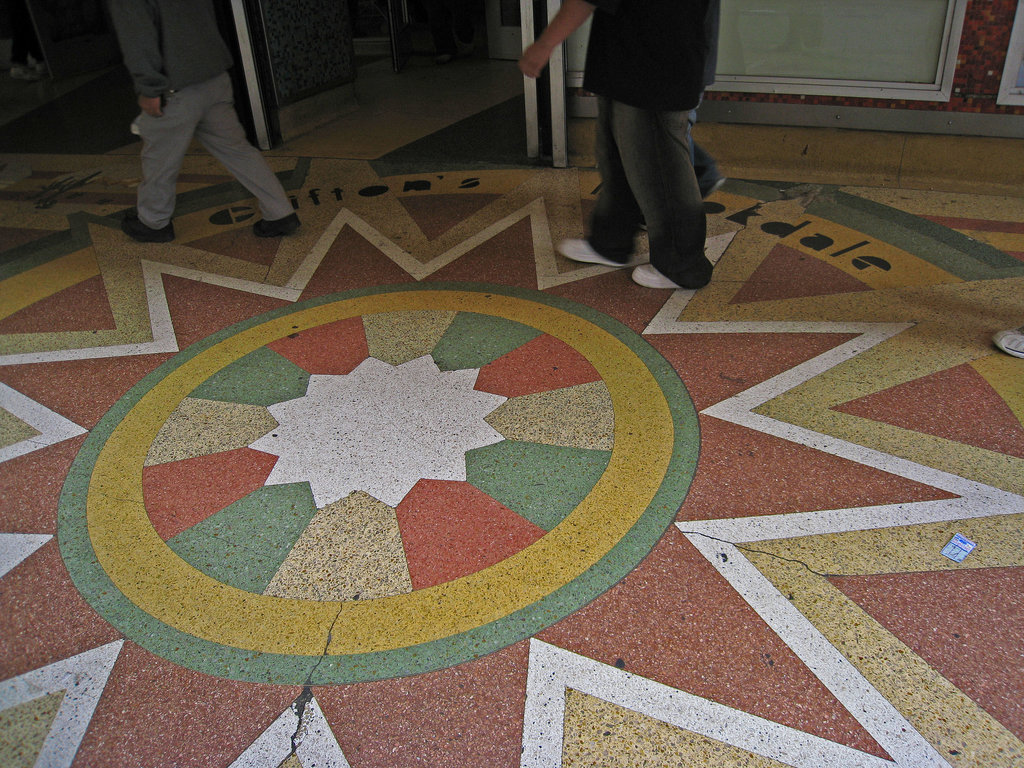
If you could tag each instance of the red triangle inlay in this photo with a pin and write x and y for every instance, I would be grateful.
(616, 295)
(787, 273)
(715, 366)
(436, 214)
(965, 623)
(29, 496)
(335, 348)
(240, 244)
(199, 309)
(353, 262)
(676, 620)
(180, 494)
(540, 365)
(506, 259)
(81, 307)
(12, 237)
(463, 716)
(738, 464)
(45, 617)
(80, 390)
(956, 404)
(144, 688)
(451, 529)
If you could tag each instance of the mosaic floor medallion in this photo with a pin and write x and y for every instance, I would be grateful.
(358, 487)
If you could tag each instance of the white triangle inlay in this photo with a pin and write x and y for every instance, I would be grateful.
(301, 730)
(82, 679)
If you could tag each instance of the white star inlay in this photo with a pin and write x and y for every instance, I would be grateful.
(380, 429)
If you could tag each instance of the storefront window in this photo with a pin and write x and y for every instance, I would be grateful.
(891, 49)
(839, 47)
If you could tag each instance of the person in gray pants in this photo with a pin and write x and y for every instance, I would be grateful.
(178, 63)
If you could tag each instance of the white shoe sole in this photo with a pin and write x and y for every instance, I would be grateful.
(1011, 342)
(580, 251)
(29, 75)
(714, 188)
(649, 277)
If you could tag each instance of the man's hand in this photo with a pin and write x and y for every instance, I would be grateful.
(534, 59)
(571, 15)
(150, 105)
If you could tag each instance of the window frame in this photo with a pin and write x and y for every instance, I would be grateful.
(1010, 93)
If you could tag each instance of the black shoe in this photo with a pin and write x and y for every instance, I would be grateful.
(277, 227)
(136, 230)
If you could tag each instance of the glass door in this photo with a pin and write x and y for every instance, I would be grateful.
(504, 29)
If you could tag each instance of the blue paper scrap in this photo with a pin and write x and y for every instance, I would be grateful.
(958, 548)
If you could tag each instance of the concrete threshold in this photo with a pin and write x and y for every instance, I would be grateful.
(978, 165)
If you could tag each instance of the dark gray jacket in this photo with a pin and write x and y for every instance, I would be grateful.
(169, 44)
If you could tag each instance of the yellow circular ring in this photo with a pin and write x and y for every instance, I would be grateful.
(156, 580)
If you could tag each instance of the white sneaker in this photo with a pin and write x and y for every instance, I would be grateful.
(34, 63)
(1011, 342)
(714, 187)
(580, 250)
(649, 277)
(23, 72)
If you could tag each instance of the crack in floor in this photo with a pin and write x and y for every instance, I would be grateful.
(327, 644)
(299, 707)
(302, 702)
(751, 550)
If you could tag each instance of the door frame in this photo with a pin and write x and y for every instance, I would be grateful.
(399, 33)
(250, 75)
(557, 114)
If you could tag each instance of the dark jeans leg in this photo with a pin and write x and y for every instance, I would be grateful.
(654, 155)
(462, 20)
(439, 17)
(617, 216)
(704, 164)
(706, 168)
(24, 42)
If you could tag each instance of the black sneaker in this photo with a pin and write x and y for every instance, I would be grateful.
(277, 227)
(136, 230)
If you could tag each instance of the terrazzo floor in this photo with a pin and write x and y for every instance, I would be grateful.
(410, 489)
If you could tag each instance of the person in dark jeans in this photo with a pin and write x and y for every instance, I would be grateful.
(452, 27)
(26, 54)
(647, 63)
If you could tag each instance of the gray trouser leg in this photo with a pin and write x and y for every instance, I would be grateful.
(204, 110)
(165, 140)
(222, 134)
